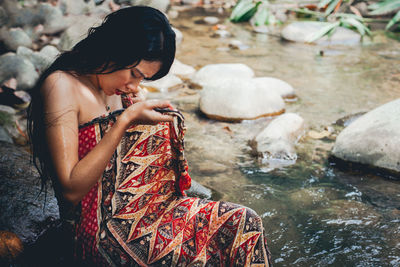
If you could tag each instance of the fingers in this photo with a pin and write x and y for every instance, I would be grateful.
(159, 104)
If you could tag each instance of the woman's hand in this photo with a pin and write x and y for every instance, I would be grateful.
(143, 113)
(139, 96)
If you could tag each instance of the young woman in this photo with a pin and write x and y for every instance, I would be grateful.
(118, 170)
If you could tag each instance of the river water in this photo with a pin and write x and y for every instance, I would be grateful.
(314, 214)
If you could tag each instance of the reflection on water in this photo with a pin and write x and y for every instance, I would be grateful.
(314, 214)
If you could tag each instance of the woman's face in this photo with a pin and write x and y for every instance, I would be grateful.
(126, 81)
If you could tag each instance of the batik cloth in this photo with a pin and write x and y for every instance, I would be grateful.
(138, 214)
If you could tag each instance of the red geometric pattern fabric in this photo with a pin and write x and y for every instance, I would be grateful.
(137, 216)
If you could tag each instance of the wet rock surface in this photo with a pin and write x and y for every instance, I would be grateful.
(23, 209)
(372, 139)
(277, 140)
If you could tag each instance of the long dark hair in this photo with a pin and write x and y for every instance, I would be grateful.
(125, 37)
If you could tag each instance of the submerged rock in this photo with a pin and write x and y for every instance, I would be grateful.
(301, 30)
(213, 73)
(197, 190)
(282, 88)
(22, 207)
(238, 99)
(13, 65)
(277, 140)
(373, 139)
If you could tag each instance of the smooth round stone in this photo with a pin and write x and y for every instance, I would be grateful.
(76, 7)
(211, 20)
(54, 21)
(236, 99)
(179, 36)
(182, 70)
(41, 60)
(213, 73)
(3, 17)
(373, 139)
(77, 31)
(301, 30)
(14, 37)
(23, 70)
(163, 84)
(236, 44)
(282, 88)
(221, 34)
(277, 140)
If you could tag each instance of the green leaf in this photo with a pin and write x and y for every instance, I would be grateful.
(386, 7)
(379, 4)
(261, 17)
(323, 3)
(322, 32)
(361, 28)
(331, 7)
(393, 21)
(244, 10)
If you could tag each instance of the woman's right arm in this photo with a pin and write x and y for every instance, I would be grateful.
(61, 105)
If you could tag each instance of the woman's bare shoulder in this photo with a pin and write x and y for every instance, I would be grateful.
(59, 91)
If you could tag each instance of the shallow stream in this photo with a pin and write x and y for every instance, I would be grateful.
(314, 214)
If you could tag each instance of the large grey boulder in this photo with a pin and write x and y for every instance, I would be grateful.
(239, 99)
(22, 207)
(373, 139)
(280, 87)
(300, 31)
(277, 140)
(14, 37)
(41, 60)
(213, 73)
(15, 66)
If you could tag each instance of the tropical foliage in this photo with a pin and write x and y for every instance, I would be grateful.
(385, 7)
(244, 10)
(327, 11)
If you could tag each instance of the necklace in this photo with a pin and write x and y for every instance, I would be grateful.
(108, 108)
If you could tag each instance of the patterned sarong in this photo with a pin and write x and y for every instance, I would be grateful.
(138, 214)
